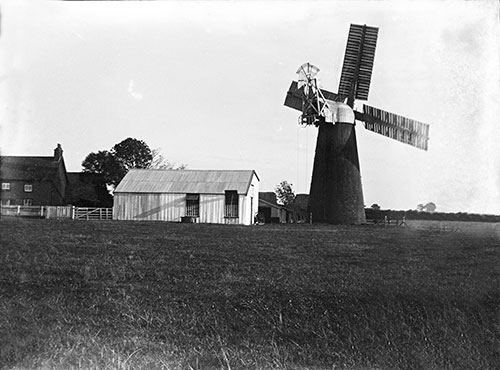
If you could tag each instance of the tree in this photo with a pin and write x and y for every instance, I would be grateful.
(375, 207)
(159, 162)
(132, 153)
(105, 164)
(284, 193)
(113, 165)
(430, 207)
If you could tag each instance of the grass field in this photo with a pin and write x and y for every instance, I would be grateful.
(133, 295)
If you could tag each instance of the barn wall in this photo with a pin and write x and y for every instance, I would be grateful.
(279, 213)
(151, 207)
(249, 203)
(171, 207)
(212, 208)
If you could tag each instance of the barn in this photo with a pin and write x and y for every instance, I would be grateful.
(206, 196)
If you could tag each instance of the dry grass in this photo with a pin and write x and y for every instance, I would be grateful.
(125, 295)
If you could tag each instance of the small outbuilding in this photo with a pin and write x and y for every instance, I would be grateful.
(206, 196)
(269, 209)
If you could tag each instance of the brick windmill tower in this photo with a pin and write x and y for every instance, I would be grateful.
(336, 194)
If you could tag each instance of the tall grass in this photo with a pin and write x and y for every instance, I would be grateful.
(126, 295)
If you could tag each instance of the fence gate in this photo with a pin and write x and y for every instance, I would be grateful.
(82, 213)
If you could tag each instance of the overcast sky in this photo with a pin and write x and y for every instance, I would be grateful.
(205, 82)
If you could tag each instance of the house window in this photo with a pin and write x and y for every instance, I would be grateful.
(193, 205)
(5, 185)
(27, 202)
(28, 188)
(5, 202)
(231, 208)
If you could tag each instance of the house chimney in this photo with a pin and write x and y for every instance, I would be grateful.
(58, 152)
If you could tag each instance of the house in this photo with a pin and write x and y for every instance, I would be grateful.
(269, 209)
(87, 189)
(34, 181)
(207, 196)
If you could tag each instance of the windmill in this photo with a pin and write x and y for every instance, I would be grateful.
(336, 194)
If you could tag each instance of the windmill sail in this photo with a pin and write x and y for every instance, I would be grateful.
(396, 127)
(358, 63)
(295, 96)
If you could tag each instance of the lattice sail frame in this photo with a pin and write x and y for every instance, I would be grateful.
(405, 130)
(357, 68)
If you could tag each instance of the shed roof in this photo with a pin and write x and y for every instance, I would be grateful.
(185, 181)
(269, 196)
(265, 203)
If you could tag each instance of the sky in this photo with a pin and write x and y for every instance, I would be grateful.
(205, 82)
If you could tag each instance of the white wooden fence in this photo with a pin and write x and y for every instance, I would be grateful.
(23, 211)
(76, 213)
(58, 212)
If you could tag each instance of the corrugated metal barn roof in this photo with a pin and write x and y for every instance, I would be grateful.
(185, 181)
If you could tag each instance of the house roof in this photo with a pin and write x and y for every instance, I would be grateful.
(185, 181)
(28, 168)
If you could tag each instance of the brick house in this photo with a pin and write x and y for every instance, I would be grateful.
(34, 181)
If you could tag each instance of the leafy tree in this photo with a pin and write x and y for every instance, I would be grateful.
(375, 207)
(284, 193)
(113, 165)
(105, 164)
(132, 153)
(430, 207)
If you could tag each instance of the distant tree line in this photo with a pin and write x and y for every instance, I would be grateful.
(379, 214)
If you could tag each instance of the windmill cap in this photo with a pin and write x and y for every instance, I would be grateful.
(340, 113)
